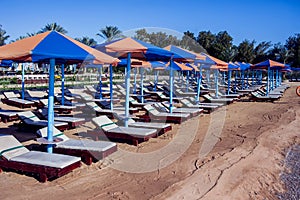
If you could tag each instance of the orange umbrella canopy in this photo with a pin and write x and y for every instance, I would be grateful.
(55, 45)
(217, 61)
(139, 49)
(268, 63)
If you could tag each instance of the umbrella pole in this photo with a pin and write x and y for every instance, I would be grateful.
(111, 86)
(187, 80)
(235, 81)
(252, 81)
(23, 81)
(268, 81)
(62, 84)
(50, 106)
(134, 80)
(142, 84)
(229, 81)
(276, 78)
(155, 80)
(100, 82)
(171, 86)
(198, 84)
(127, 84)
(243, 76)
(216, 82)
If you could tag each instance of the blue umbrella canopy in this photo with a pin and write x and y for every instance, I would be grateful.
(188, 55)
(243, 65)
(6, 63)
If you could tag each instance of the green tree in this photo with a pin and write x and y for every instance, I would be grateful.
(293, 46)
(206, 40)
(110, 33)
(188, 41)
(86, 40)
(280, 53)
(222, 46)
(25, 36)
(160, 39)
(3, 36)
(245, 51)
(261, 51)
(142, 35)
(53, 27)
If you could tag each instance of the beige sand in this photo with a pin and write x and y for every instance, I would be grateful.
(236, 153)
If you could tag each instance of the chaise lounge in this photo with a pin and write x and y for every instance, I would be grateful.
(13, 155)
(88, 150)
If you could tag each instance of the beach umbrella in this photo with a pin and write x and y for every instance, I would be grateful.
(195, 59)
(231, 67)
(268, 64)
(215, 64)
(54, 48)
(242, 67)
(132, 48)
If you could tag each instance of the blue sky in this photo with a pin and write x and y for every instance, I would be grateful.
(260, 20)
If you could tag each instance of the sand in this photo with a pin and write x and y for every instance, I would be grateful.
(236, 152)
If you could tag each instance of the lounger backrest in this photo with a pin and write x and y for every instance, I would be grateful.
(28, 116)
(10, 95)
(43, 132)
(57, 90)
(44, 112)
(161, 107)
(10, 147)
(151, 109)
(93, 106)
(132, 100)
(44, 102)
(85, 96)
(186, 102)
(39, 94)
(104, 123)
(207, 96)
(160, 94)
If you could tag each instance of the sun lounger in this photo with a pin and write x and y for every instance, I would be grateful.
(160, 127)
(163, 97)
(88, 150)
(13, 155)
(181, 93)
(100, 111)
(8, 115)
(210, 99)
(31, 121)
(73, 122)
(155, 115)
(164, 107)
(112, 130)
(59, 108)
(209, 108)
(12, 99)
(257, 97)
(106, 105)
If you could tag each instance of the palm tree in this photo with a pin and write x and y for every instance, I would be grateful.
(53, 27)
(3, 36)
(110, 32)
(86, 40)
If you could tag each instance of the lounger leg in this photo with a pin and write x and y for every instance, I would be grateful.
(87, 160)
(43, 177)
(135, 142)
